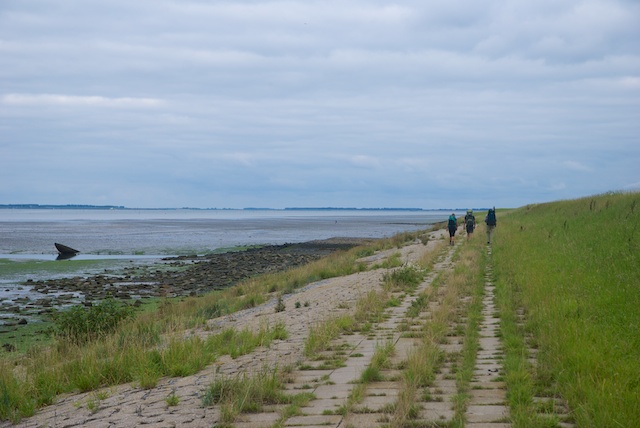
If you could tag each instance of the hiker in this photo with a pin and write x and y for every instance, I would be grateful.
(452, 226)
(491, 221)
(470, 223)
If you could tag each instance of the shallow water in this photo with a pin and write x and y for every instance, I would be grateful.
(172, 232)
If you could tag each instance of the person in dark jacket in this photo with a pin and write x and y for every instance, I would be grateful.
(452, 225)
(469, 223)
(491, 221)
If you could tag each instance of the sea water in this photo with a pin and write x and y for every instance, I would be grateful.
(104, 232)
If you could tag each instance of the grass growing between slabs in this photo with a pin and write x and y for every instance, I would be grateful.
(568, 284)
(470, 268)
(250, 393)
(459, 295)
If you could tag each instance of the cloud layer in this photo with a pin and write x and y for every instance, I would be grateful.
(289, 103)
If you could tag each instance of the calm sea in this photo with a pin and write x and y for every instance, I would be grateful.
(101, 233)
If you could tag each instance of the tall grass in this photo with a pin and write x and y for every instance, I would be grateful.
(37, 380)
(79, 324)
(321, 334)
(249, 393)
(573, 267)
(405, 279)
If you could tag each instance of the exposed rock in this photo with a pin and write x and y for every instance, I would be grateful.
(195, 275)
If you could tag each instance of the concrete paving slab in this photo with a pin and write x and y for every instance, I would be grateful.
(257, 419)
(405, 345)
(488, 425)
(494, 354)
(309, 376)
(490, 413)
(347, 374)
(376, 403)
(318, 407)
(489, 343)
(488, 396)
(436, 411)
(446, 385)
(319, 420)
(489, 385)
(333, 391)
(365, 420)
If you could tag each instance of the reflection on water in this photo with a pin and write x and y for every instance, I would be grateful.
(66, 256)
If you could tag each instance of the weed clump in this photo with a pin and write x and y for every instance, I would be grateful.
(250, 393)
(407, 278)
(80, 324)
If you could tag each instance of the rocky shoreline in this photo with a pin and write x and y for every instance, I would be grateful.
(172, 277)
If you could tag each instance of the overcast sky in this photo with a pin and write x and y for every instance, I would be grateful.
(250, 103)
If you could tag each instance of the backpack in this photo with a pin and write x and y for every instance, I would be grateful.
(470, 222)
(452, 222)
(491, 218)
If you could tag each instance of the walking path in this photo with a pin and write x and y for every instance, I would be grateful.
(487, 407)
(341, 400)
(436, 404)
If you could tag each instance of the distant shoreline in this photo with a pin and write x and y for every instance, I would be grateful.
(121, 207)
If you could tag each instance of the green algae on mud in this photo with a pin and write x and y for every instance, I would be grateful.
(18, 339)
(24, 322)
(50, 267)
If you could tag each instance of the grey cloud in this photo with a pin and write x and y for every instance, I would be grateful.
(328, 103)
(78, 101)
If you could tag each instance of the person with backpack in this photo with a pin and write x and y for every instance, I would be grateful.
(491, 221)
(469, 223)
(452, 225)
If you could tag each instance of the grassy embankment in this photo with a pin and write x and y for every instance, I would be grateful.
(568, 285)
(153, 344)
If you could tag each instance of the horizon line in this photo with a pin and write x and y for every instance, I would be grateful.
(327, 208)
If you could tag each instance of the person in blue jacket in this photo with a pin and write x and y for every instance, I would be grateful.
(452, 225)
